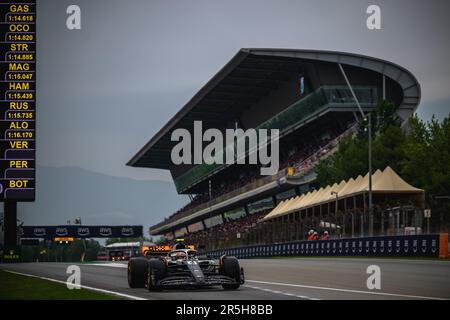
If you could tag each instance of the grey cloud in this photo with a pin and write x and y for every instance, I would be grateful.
(105, 89)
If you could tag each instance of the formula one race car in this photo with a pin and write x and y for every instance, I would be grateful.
(182, 267)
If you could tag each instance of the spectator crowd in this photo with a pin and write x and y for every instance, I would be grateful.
(301, 159)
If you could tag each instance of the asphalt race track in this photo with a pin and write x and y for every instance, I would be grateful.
(280, 278)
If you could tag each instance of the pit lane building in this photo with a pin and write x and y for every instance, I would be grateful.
(306, 94)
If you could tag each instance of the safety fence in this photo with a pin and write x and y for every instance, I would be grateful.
(412, 245)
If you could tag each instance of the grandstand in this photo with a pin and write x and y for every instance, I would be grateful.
(304, 94)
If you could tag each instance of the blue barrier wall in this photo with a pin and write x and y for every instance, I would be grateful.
(392, 246)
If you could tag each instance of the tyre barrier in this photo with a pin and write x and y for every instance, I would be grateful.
(407, 246)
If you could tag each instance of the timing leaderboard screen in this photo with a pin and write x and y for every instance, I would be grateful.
(17, 100)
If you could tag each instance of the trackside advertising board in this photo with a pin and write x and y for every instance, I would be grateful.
(49, 232)
(415, 245)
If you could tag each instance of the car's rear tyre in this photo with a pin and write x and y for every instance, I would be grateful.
(231, 269)
(156, 271)
(137, 272)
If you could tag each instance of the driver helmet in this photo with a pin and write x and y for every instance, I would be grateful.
(179, 245)
(179, 255)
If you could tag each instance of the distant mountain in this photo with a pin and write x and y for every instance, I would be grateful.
(66, 193)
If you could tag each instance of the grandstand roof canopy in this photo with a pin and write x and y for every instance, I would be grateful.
(250, 75)
(386, 181)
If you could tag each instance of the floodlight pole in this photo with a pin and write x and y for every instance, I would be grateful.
(370, 177)
(335, 205)
(369, 129)
(336, 201)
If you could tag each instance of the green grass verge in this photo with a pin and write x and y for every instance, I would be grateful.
(19, 287)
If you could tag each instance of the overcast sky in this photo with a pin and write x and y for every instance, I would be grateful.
(104, 90)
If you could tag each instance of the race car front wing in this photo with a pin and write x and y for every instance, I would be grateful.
(211, 280)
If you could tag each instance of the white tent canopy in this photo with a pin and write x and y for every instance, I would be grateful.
(386, 181)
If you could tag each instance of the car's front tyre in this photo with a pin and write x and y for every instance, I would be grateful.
(231, 269)
(137, 272)
(156, 272)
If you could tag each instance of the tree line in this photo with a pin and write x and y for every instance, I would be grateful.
(70, 252)
(419, 151)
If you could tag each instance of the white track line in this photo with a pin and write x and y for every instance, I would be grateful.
(281, 292)
(112, 264)
(345, 290)
(378, 259)
(82, 286)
